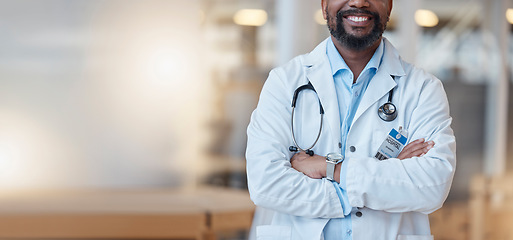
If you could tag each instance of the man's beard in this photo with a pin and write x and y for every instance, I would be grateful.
(353, 42)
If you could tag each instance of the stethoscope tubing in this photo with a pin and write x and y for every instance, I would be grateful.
(294, 135)
(385, 116)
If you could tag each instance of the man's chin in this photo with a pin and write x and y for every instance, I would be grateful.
(358, 38)
(359, 33)
(357, 43)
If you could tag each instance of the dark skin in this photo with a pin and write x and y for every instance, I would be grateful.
(358, 25)
(357, 60)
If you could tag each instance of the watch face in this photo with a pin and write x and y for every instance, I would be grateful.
(334, 157)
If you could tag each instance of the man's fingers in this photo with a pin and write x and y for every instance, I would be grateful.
(417, 153)
(420, 147)
(416, 149)
(412, 145)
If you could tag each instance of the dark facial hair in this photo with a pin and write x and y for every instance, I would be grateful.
(350, 41)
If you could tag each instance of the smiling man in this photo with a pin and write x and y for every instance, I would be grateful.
(381, 158)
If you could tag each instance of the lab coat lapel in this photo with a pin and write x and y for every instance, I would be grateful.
(378, 87)
(318, 72)
(383, 81)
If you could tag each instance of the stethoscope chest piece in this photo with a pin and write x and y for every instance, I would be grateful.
(387, 112)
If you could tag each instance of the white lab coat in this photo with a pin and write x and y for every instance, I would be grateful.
(393, 196)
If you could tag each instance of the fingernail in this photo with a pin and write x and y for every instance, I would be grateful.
(429, 147)
(422, 155)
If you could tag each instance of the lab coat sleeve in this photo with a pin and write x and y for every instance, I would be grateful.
(418, 184)
(272, 182)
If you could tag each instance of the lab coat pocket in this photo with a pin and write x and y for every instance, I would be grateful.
(378, 137)
(415, 237)
(269, 232)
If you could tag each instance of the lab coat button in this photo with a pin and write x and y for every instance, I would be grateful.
(359, 214)
(339, 145)
(349, 232)
(352, 149)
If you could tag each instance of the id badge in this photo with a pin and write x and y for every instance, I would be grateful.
(391, 147)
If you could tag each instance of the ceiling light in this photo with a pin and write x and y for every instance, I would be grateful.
(250, 17)
(426, 18)
(509, 15)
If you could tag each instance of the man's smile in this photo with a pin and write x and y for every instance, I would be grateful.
(356, 28)
(358, 20)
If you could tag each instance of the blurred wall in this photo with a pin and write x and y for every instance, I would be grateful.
(100, 93)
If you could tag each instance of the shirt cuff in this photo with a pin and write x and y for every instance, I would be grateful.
(341, 191)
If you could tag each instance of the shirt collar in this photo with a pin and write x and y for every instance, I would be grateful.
(338, 63)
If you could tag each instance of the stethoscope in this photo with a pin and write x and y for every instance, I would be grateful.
(387, 112)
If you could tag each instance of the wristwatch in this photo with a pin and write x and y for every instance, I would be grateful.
(332, 159)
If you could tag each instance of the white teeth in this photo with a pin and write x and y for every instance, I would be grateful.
(358, 19)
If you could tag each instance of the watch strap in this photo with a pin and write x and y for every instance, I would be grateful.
(330, 170)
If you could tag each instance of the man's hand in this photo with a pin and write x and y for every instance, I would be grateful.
(416, 148)
(315, 166)
(312, 166)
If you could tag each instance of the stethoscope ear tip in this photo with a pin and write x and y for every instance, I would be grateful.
(309, 152)
(293, 149)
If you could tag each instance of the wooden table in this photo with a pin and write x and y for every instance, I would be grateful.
(491, 207)
(124, 214)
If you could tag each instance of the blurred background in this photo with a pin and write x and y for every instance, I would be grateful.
(154, 94)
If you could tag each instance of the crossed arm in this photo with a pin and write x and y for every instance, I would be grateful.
(315, 166)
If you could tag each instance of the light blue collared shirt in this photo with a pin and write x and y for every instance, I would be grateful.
(349, 96)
